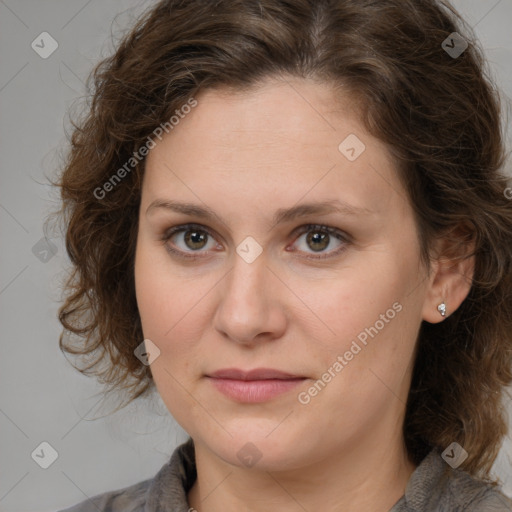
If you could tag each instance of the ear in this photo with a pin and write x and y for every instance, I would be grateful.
(451, 276)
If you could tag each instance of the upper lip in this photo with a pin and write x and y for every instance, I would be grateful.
(255, 374)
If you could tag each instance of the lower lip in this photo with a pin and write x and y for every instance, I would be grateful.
(254, 391)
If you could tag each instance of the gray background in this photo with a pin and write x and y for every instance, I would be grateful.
(42, 398)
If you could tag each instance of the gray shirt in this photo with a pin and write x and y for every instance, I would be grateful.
(433, 487)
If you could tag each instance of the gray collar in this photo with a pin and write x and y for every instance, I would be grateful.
(168, 490)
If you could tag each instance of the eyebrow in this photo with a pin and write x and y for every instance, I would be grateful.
(281, 215)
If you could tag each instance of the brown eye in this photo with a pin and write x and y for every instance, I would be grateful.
(195, 239)
(317, 240)
(185, 240)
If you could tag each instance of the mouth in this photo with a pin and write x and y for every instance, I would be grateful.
(256, 374)
(253, 386)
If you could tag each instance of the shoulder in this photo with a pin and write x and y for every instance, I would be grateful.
(165, 492)
(469, 494)
(127, 499)
(437, 487)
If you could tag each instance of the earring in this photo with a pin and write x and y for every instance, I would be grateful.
(442, 308)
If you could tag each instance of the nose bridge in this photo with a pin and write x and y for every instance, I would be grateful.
(248, 274)
(246, 283)
(247, 308)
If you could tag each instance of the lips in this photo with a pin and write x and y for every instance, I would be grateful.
(253, 386)
(256, 374)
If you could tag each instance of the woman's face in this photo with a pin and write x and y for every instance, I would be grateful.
(250, 286)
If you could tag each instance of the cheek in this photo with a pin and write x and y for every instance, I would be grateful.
(347, 306)
(155, 292)
(371, 319)
(166, 308)
(172, 308)
(152, 301)
(368, 360)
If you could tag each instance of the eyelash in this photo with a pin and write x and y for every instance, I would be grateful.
(300, 231)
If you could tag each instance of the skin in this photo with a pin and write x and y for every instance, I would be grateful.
(245, 155)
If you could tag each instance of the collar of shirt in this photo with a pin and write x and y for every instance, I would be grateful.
(168, 490)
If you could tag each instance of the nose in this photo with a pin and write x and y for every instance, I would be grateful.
(250, 310)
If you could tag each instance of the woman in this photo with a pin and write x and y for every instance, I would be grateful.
(291, 220)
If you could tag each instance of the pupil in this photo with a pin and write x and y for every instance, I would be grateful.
(317, 238)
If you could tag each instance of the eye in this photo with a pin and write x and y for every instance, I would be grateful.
(318, 238)
(185, 240)
(193, 238)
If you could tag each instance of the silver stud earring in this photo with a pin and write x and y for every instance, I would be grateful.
(442, 308)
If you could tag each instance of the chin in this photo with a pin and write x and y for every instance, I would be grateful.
(256, 449)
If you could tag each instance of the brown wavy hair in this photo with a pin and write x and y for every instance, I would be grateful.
(438, 115)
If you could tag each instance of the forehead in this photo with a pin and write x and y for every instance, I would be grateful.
(292, 108)
(278, 142)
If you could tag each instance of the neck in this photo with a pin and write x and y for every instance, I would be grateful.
(368, 480)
